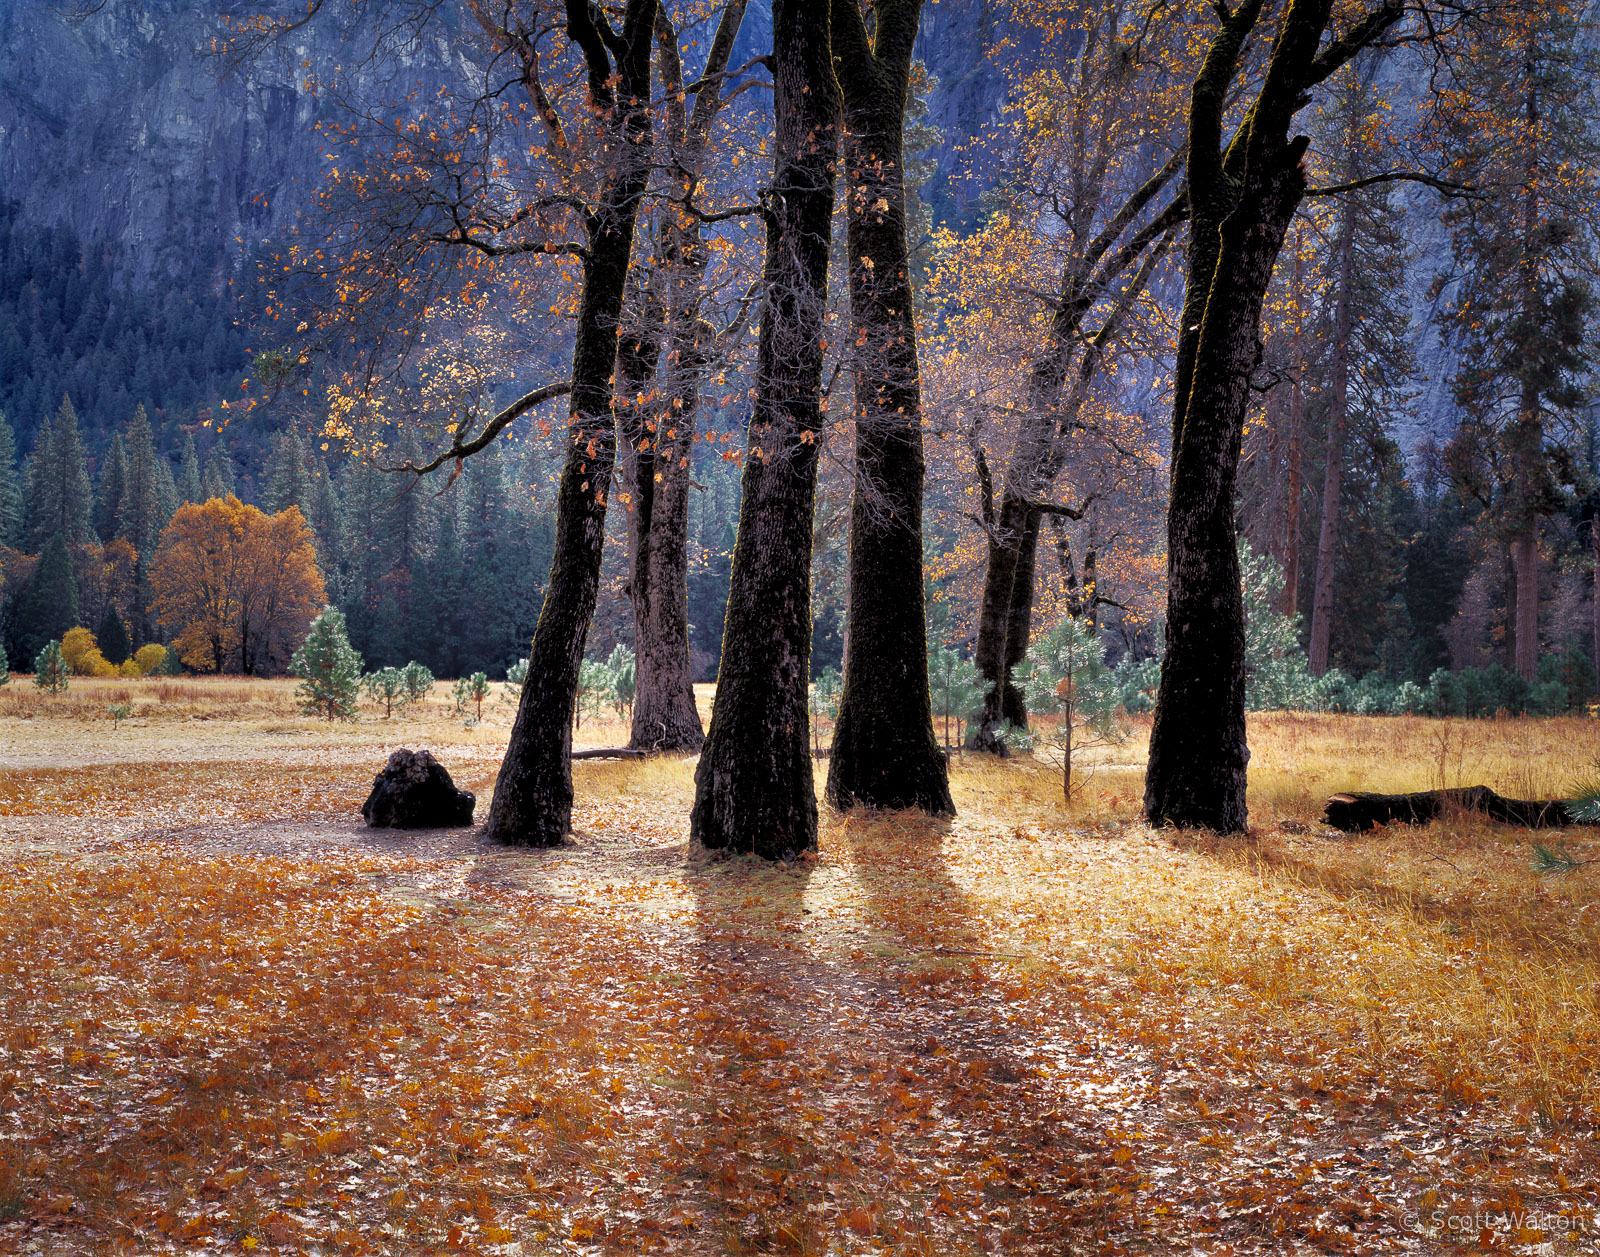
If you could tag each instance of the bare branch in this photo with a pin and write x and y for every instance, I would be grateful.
(460, 448)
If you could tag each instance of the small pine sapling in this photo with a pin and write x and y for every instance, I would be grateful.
(329, 670)
(623, 677)
(516, 674)
(118, 713)
(50, 669)
(594, 684)
(957, 689)
(387, 686)
(418, 681)
(473, 689)
(822, 699)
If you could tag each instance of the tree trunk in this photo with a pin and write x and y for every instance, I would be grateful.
(1338, 426)
(664, 714)
(1358, 811)
(1594, 590)
(1007, 543)
(1528, 441)
(885, 753)
(533, 795)
(1525, 561)
(1240, 201)
(753, 786)
(1297, 410)
(655, 422)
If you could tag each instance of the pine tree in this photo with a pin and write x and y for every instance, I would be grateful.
(167, 499)
(142, 514)
(48, 606)
(1518, 124)
(217, 482)
(288, 483)
(11, 502)
(188, 482)
(326, 518)
(139, 514)
(108, 497)
(61, 500)
(5, 666)
(437, 600)
(113, 637)
(329, 670)
(50, 670)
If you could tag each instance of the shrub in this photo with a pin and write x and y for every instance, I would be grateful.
(1572, 672)
(83, 656)
(151, 658)
(328, 668)
(50, 670)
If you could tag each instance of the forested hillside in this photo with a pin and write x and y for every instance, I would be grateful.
(142, 265)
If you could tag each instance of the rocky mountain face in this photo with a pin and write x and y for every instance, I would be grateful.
(122, 125)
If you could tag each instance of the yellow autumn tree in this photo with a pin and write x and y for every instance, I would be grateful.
(235, 586)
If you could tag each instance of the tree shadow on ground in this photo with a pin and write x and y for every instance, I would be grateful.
(845, 1085)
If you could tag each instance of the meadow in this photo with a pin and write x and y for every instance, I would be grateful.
(234, 1020)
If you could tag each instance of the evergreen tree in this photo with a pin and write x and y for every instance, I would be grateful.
(5, 666)
(11, 503)
(108, 497)
(50, 670)
(288, 483)
(60, 501)
(148, 503)
(327, 522)
(1519, 125)
(140, 515)
(437, 602)
(217, 482)
(167, 499)
(329, 670)
(48, 606)
(188, 482)
(113, 637)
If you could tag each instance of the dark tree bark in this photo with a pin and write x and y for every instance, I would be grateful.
(885, 753)
(532, 803)
(1240, 202)
(1338, 424)
(659, 443)
(1358, 811)
(753, 786)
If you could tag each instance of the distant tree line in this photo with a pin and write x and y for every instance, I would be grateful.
(449, 576)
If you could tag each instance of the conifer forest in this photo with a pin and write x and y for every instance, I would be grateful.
(917, 627)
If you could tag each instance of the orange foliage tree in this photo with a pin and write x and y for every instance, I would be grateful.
(237, 587)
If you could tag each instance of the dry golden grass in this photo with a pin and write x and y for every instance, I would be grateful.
(1203, 1019)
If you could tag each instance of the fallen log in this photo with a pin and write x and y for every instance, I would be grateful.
(1358, 810)
(611, 752)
